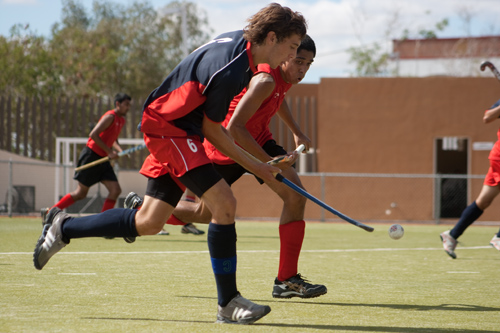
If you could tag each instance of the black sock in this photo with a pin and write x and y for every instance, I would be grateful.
(469, 215)
(118, 222)
(222, 248)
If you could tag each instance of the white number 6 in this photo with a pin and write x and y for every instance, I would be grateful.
(192, 145)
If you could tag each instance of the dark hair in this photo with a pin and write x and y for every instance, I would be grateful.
(308, 45)
(120, 97)
(281, 20)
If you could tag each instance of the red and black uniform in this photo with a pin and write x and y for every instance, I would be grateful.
(493, 176)
(93, 152)
(202, 85)
(257, 126)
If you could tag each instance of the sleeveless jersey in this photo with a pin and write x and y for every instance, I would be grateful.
(495, 151)
(203, 84)
(258, 124)
(109, 135)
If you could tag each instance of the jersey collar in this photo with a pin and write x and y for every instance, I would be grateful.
(250, 59)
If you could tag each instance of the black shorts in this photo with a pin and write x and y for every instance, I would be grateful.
(198, 180)
(232, 172)
(95, 174)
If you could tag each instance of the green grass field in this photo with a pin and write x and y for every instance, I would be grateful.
(165, 283)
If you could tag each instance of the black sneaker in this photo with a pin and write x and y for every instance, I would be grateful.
(52, 240)
(43, 213)
(297, 286)
(191, 229)
(132, 201)
(241, 311)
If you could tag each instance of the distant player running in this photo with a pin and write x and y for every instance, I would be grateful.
(490, 190)
(102, 142)
(248, 122)
(189, 105)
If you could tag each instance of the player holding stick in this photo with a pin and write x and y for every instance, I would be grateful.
(490, 190)
(248, 122)
(191, 104)
(102, 142)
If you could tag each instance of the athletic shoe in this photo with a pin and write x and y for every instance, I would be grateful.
(241, 311)
(132, 201)
(495, 242)
(191, 229)
(163, 232)
(297, 286)
(43, 213)
(449, 243)
(52, 240)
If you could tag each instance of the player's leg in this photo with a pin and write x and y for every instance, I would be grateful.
(208, 185)
(289, 283)
(114, 191)
(60, 228)
(489, 191)
(198, 211)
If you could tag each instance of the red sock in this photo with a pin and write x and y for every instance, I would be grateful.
(108, 204)
(174, 221)
(291, 238)
(65, 202)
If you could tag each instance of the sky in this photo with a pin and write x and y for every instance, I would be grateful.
(335, 25)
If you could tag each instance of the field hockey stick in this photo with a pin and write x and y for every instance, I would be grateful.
(309, 196)
(492, 67)
(105, 159)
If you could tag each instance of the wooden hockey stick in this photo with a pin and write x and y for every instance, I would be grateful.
(105, 159)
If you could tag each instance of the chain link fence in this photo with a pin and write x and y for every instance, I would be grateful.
(26, 187)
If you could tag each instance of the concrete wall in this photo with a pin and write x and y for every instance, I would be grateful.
(364, 125)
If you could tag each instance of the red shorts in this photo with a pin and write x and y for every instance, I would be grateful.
(493, 176)
(173, 155)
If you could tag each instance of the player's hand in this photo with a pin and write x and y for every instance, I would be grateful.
(266, 172)
(284, 161)
(113, 155)
(303, 140)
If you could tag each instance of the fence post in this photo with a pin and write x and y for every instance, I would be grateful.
(10, 191)
(322, 178)
(437, 200)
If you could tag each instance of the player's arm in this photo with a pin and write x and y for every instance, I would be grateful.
(259, 89)
(101, 126)
(299, 137)
(220, 138)
(491, 114)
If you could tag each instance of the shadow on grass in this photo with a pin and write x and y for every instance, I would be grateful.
(308, 327)
(447, 307)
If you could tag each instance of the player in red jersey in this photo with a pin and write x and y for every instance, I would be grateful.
(490, 190)
(102, 142)
(187, 107)
(248, 122)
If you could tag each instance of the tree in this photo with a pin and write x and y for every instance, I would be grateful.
(26, 64)
(372, 60)
(108, 49)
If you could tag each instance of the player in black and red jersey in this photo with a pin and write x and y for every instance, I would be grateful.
(248, 121)
(188, 106)
(102, 142)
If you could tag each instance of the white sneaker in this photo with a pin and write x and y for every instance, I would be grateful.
(449, 244)
(52, 240)
(163, 232)
(241, 311)
(495, 242)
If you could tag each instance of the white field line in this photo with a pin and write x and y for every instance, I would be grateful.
(261, 251)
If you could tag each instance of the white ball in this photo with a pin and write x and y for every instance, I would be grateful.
(396, 231)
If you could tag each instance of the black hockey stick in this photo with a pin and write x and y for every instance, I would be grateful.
(492, 67)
